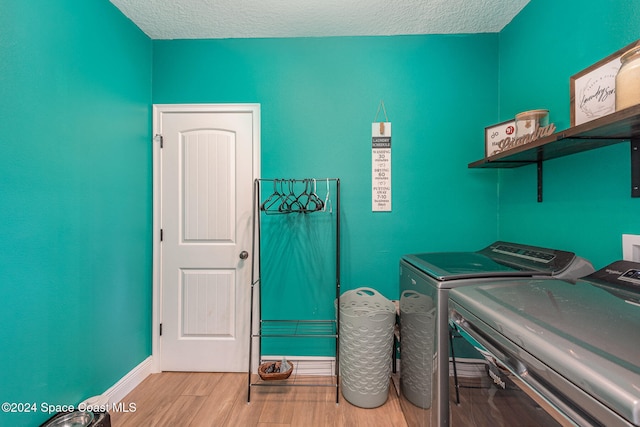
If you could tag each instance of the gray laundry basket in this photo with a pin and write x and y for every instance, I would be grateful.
(418, 332)
(367, 321)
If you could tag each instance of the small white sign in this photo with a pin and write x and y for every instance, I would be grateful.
(381, 167)
(496, 133)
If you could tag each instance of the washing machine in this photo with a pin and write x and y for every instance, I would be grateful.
(572, 348)
(425, 281)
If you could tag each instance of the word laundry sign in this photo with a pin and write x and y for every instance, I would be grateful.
(381, 167)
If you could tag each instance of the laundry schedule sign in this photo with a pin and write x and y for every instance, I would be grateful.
(381, 167)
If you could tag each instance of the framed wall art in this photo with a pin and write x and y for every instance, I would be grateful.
(593, 90)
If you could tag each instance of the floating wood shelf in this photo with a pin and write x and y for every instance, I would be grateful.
(612, 129)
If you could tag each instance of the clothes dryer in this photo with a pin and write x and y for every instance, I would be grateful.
(574, 347)
(425, 281)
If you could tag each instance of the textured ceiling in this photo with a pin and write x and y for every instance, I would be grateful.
(203, 19)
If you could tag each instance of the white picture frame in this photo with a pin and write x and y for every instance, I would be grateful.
(592, 90)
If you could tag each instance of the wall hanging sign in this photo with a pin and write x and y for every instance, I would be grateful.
(381, 167)
(593, 90)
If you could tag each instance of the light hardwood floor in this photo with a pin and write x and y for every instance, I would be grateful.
(220, 399)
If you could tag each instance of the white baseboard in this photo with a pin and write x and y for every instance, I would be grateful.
(131, 380)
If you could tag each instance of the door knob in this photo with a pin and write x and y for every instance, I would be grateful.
(244, 255)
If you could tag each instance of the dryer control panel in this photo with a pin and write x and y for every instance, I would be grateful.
(632, 276)
(621, 278)
(620, 273)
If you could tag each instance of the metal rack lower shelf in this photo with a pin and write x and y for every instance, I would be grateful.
(297, 328)
(307, 372)
(304, 376)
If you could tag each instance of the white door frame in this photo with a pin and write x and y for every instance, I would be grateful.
(158, 109)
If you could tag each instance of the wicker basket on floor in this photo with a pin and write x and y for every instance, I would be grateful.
(274, 375)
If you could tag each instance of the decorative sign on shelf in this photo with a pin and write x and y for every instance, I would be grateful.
(593, 90)
(381, 167)
(512, 142)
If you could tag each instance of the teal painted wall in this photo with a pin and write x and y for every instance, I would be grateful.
(587, 204)
(76, 86)
(75, 221)
(318, 99)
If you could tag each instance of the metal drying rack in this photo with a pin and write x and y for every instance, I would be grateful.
(293, 196)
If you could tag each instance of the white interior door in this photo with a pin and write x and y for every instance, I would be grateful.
(208, 161)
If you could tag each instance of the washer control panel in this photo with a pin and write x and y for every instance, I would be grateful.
(535, 258)
(520, 252)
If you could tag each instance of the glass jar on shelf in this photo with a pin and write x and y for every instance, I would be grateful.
(628, 79)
